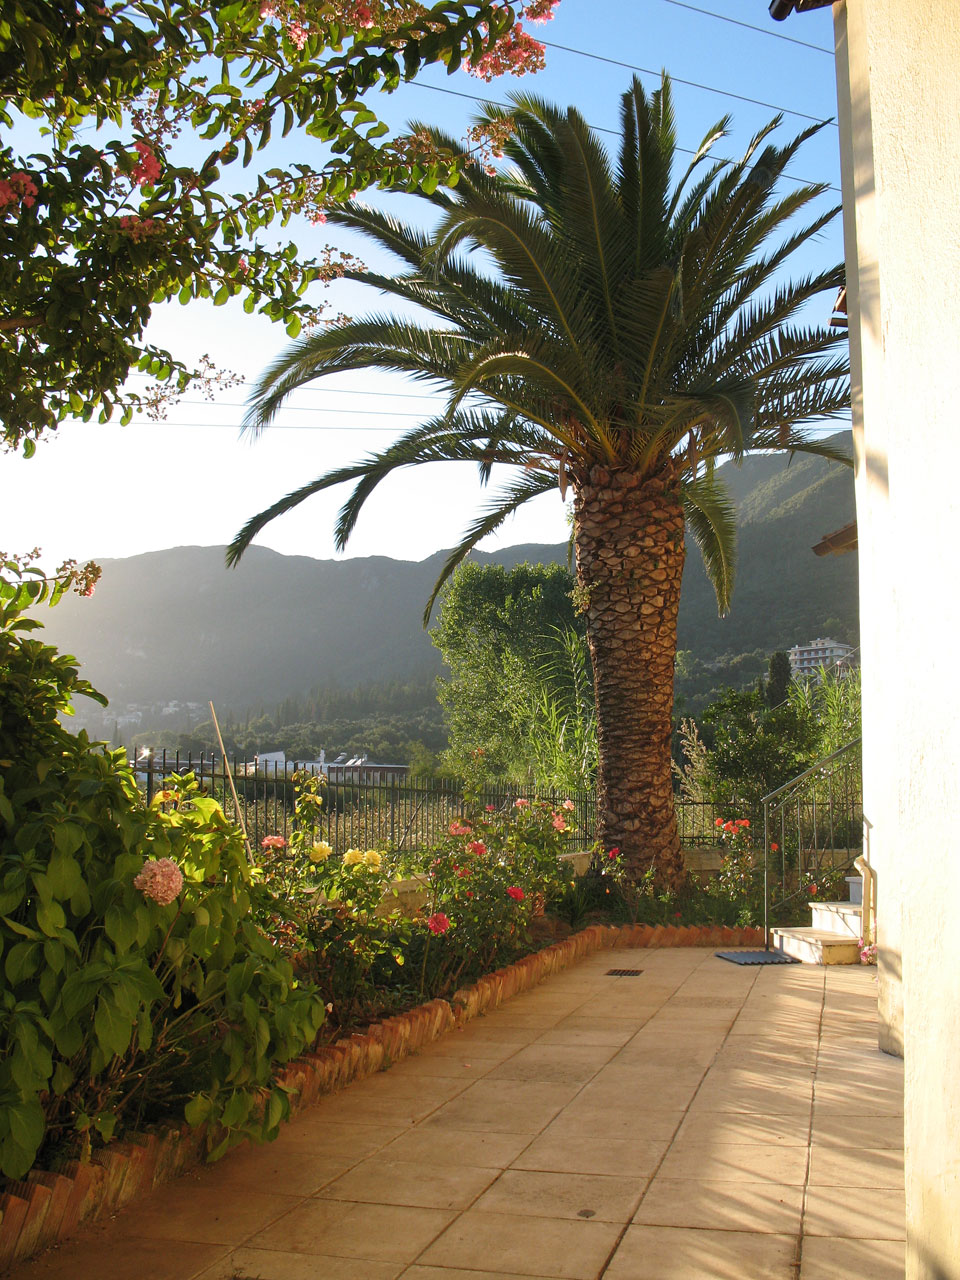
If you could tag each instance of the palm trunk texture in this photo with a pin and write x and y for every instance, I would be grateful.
(630, 554)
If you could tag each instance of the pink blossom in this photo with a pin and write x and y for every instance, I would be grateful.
(491, 808)
(540, 10)
(19, 188)
(137, 228)
(318, 218)
(160, 880)
(362, 15)
(298, 33)
(558, 823)
(438, 923)
(268, 9)
(614, 853)
(459, 828)
(568, 805)
(273, 842)
(243, 266)
(477, 847)
(516, 52)
(516, 893)
(521, 804)
(147, 169)
(89, 590)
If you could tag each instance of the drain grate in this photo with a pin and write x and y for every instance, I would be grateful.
(624, 973)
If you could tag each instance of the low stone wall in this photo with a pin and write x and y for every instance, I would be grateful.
(48, 1206)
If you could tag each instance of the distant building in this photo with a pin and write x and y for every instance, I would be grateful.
(362, 769)
(807, 659)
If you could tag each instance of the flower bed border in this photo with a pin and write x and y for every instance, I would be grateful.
(48, 1206)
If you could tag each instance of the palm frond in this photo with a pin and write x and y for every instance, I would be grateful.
(712, 520)
(507, 502)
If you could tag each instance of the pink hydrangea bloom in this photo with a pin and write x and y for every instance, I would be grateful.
(438, 923)
(160, 880)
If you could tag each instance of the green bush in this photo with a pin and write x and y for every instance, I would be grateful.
(138, 981)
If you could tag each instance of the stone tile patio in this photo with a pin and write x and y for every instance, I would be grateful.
(702, 1120)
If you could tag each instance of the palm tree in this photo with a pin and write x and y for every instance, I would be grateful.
(633, 332)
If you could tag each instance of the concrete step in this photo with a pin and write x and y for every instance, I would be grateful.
(816, 946)
(843, 918)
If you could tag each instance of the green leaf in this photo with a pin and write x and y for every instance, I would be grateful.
(50, 918)
(198, 1109)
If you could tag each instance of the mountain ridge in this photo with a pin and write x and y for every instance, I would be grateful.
(176, 624)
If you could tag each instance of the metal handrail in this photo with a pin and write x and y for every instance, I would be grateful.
(814, 768)
(818, 769)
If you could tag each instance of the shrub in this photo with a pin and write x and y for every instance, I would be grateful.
(137, 978)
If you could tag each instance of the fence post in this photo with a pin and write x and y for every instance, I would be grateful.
(149, 755)
(766, 876)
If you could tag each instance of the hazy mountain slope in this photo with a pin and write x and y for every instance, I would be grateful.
(176, 624)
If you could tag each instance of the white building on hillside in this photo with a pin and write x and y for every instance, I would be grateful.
(807, 659)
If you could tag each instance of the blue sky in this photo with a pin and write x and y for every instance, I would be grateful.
(106, 491)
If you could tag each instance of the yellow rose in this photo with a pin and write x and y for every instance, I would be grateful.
(321, 851)
(352, 857)
(372, 859)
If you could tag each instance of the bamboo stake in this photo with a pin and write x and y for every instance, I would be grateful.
(233, 785)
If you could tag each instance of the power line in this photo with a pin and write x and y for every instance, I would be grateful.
(303, 408)
(829, 428)
(597, 128)
(774, 35)
(691, 84)
(316, 391)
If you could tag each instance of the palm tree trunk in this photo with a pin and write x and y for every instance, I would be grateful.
(630, 553)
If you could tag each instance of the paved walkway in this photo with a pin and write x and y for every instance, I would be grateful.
(701, 1120)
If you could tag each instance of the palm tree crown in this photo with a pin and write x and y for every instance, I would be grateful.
(632, 330)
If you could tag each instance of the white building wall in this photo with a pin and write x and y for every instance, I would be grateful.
(899, 97)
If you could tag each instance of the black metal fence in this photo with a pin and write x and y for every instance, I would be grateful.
(396, 813)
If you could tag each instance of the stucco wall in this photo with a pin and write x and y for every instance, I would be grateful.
(900, 130)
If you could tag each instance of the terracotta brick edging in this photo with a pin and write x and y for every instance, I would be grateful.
(48, 1206)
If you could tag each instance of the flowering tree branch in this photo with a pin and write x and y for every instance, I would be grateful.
(93, 236)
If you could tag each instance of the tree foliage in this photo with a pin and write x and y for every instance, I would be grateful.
(501, 633)
(779, 678)
(95, 232)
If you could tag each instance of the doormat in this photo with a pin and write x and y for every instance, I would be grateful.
(756, 957)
